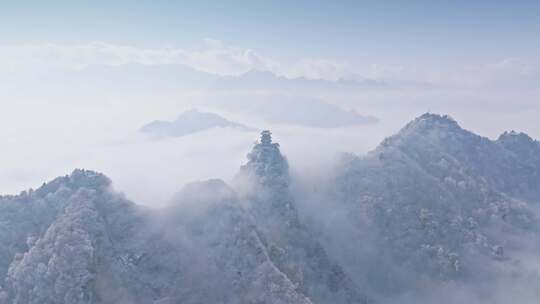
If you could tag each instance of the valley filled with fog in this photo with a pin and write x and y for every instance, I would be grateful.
(92, 118)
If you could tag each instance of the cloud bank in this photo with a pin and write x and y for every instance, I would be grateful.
(218, 58)
(213, 57)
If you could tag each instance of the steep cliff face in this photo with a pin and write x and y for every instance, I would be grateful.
(292, 246)
(225, 253)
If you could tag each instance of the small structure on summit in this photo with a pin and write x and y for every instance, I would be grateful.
(266, 140)
(266, 137)
(266, 162)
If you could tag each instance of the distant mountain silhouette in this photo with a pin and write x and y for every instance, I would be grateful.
(189, 122)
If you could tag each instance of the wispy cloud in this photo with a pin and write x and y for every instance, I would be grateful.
(213, 57)
(319, 69)
(511, 71)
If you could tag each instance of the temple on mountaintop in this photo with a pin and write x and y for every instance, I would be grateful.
(266, 137)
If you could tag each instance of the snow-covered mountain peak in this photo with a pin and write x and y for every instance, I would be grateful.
(431, 132)
(429, 122)
(513, 137)
(79, 178)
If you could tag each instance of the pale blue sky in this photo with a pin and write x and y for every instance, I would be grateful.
(393, 32)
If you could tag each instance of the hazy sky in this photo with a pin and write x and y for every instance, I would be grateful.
(77, 79)
(414, 34)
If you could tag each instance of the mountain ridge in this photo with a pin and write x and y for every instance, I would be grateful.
(435, 198)
(426, 205)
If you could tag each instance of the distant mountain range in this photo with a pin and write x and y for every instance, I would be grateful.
(300, 111)
(190, 122)
(267, 94)
(433, 205)
(259, 80)
(184, 76)
(180, 77)
(308, 112)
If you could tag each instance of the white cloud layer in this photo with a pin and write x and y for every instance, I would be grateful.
(218, 58)
(214, 57)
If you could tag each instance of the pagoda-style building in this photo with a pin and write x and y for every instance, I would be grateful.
(266, 137)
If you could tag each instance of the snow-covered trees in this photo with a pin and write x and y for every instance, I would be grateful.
(293, 248)
(434, 204)
(425, 206)
(60, 267)
(55, 237)
(93, 246)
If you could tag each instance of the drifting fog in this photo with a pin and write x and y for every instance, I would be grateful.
(352, 243)
(56, 118)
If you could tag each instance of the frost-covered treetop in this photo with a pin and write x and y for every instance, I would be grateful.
(514, 137)
(77, 179)
(437, 126)
(429, 121)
